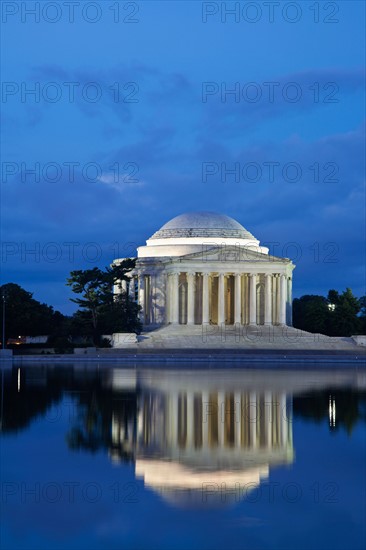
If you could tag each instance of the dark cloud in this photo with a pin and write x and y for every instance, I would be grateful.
(167, 137)
(257, 102)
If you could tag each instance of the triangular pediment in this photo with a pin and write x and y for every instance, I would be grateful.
(228, 253)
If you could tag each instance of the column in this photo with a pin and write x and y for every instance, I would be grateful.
(131, 289)
(253, 414)
(205, 299)
(117, 288)
(253, 299)
(174, 298)
(115, 430)
(182, 292)
(268, 300)
(190, 298)
(152, 298)
(141, 296)
(268, 418)
(120, 287)
(190, 419)
(167, 301)
(205, 398)
(284, 420)
(221, 418)
(289, 300)
(278, 298)
(147, 299)
(237, 418)
(140, 418)
(221, 308)
(245, 298)
(283, 299)
(237, 308)
(173, 411)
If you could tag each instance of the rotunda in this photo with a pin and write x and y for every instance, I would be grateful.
(206, 268)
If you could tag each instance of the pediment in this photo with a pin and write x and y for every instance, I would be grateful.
(228, 253)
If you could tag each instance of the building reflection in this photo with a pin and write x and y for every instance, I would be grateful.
(186, 437)
(183, 429)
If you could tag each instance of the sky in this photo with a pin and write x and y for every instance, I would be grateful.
(118, 116)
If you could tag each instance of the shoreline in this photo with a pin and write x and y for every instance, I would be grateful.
(328, 359)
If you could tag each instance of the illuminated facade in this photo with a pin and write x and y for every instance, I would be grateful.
(206, 268)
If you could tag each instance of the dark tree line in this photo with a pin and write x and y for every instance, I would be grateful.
(25, 316)
(100, 310)
(103, 312)
(340, 314)
(351, 407)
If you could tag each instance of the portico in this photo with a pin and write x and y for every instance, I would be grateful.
(205, 268)
(196, 298)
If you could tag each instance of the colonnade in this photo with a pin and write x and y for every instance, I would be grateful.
(200, 420)
(218, 298)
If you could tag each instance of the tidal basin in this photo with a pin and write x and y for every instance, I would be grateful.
(100, 456)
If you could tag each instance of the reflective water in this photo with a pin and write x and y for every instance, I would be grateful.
(100, 457)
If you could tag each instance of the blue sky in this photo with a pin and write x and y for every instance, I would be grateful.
(130, 111)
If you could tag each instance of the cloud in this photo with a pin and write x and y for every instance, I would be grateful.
(120, 181)
(237, 105)
(160, 145)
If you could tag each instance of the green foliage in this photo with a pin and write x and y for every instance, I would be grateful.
(101, 311)
(94, 287)
(26, 316)
(120, 315)
(81, 326)
(333, 297)
(344, 320)
(314, 314)
(311, 313)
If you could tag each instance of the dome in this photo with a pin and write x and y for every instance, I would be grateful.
(196, 231)
(202, 224)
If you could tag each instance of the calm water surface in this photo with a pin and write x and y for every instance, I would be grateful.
(101, 457)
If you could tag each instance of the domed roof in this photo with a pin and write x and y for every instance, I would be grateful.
(193, 232)
(202, 224)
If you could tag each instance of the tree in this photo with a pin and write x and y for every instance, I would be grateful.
(120, 272)
(333, 297)
(344, 320)
(311, 313)
(336, 315)
(101, 311)
(120, 315)
(25, 316)
(94, 287)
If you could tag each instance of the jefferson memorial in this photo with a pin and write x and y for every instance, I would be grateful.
(205, 268)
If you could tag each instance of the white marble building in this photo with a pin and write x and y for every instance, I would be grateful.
(206, 268)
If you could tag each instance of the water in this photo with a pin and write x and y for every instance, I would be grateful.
(101, 457)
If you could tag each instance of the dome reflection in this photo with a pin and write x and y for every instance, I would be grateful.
(192, 438)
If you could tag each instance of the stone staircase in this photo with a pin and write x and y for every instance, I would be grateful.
(241, 337)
